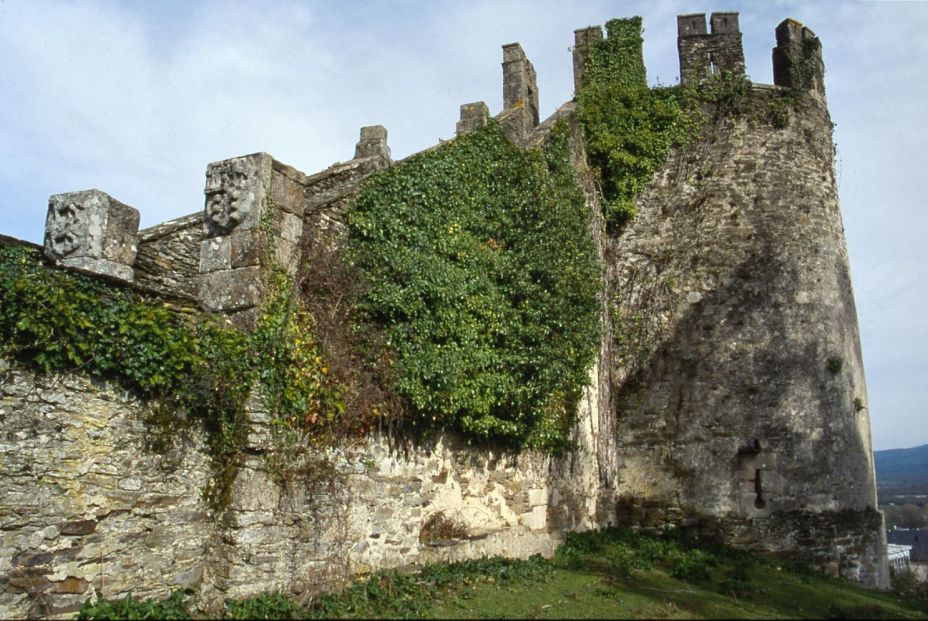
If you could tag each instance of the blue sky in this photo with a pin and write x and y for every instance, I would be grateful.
(135, 98)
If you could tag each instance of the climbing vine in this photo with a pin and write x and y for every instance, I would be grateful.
(629, 127)
(481, 271)
(190, 366)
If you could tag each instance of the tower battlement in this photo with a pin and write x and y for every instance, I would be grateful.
(702, 54)
(797, 58)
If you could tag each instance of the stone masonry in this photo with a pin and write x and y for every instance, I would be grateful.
(583, 39)
(92, 232)
(797, 59)
(91, 507)
(740, 379)
(473, 116)
(728, 395)
(704, 55)
(253, 221)
(168, 260)
(520, 94)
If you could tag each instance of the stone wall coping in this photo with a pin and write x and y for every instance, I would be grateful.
(338, 167)
(288, 171)
(156, 232)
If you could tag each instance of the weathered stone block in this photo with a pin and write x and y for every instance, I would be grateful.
(78, 527)
(230, 290)
(536, 519)
(287, 254)
(70, 585)
(288, 227)
(537, 497)
(215, 254)
(473, 116)
(236, 193)
(287, 189)
(92, 232)
(245, 247)
(373, 142)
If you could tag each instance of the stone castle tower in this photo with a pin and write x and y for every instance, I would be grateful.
(728, 395)
(740, 395)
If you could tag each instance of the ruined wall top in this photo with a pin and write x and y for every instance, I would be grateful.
(725, 23)
(92, 232)
(584, 38)
(797, 59)
(520, 93)
(373, 143)
(702, 54)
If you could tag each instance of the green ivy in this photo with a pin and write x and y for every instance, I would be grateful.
(55, 320)
(192, 369)
(629, 127)
(173, 607)
(617, 59)
(482, 272)
(802, 65)
(293, 376)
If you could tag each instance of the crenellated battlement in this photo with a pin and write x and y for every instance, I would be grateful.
(583, 39)
(704, 55)
(520, 94)
(95, 233)
(797, 59)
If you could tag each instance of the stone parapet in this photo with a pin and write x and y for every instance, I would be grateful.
(253, 222)
(168, 257)
(373, 143)
(92, 232)
(702, 54)
(583, 39)
(797, 59)
(520, 94)
(473, 116)
(328, 193)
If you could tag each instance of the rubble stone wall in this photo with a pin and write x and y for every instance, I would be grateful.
(738, 366)
(168, 259)
(93, 504)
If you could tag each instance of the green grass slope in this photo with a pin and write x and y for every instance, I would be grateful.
(613, 574)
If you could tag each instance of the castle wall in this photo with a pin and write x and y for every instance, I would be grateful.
(728, 395)
(86, 507)
(168, 259)
(738, 372)
(93, 504)
(118, 511)
(328, 193)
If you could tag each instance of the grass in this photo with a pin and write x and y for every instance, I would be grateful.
(654, 594)
(604, 574)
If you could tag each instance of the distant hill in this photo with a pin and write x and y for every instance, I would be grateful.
(908, 465)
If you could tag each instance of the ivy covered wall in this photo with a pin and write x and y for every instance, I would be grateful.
(481, 269)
